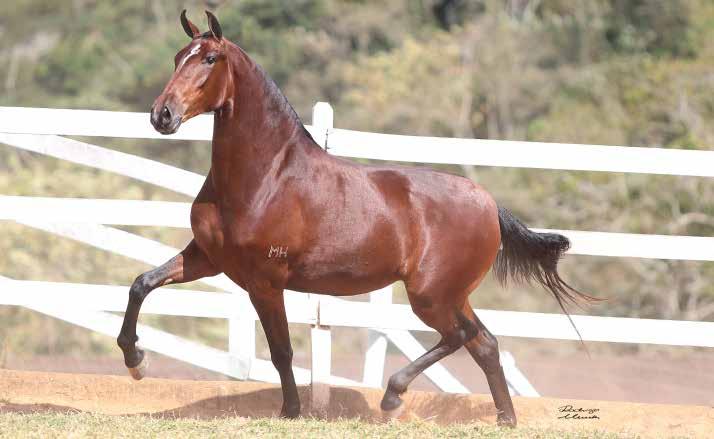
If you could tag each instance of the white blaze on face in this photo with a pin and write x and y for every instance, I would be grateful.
(193, 51)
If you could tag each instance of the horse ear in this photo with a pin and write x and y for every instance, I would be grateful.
(214, 26)
(190, 28)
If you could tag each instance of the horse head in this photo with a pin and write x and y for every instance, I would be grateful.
(201, 81)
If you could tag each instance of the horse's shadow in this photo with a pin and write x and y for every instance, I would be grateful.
(261, 403)
(345, 403)
(264, 403)
(8, 407)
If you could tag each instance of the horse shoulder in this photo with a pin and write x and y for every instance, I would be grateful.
(206, 221)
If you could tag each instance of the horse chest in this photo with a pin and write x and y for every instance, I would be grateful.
(247, 248)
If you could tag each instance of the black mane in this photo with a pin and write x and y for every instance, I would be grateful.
(281, 102)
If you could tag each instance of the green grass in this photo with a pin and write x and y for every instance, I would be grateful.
(49, 425)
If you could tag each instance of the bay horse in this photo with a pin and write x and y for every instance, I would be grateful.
(343, 228)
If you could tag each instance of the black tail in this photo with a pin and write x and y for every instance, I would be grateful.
(529, 256)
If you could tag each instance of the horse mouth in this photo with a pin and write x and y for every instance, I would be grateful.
(169, 128)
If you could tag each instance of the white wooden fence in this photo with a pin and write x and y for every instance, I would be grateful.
(88, 221)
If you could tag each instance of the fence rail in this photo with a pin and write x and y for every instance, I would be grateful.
(385, 316)
(559, 156)
(138, 168)
(357, 144)
(176, 214)
(87, 220)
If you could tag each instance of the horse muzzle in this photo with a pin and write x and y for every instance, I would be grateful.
(165, 119)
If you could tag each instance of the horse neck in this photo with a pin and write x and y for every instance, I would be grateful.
(255, 131)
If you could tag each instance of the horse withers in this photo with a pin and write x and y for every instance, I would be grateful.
(343, 228)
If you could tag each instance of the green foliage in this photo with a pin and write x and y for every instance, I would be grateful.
(283, 14)
(655, 26)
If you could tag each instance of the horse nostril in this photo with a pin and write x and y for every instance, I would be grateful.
(166, 113)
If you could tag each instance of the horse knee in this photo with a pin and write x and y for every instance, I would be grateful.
(140, 288)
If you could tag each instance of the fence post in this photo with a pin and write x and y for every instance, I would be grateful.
(322, 119)
(321, 365)
(241, 334)
(373, 373)
(320, 336)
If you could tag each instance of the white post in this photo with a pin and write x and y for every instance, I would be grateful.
(373, 373)
(241, 334)
(321, 362)
(321, 344)
(320, 336)
(322, 120)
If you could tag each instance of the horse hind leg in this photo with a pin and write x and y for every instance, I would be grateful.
(189, 265)
(453, 336)
(483, 347)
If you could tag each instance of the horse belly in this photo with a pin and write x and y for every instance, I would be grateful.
(340, 281)
(344, 269)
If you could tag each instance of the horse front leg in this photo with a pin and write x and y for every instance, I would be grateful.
(189, 265)
(271, 309)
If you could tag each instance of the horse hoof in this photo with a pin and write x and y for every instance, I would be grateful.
(139, 371)
(290, 414)
(394, 413)
(506, 421)
(392, 406)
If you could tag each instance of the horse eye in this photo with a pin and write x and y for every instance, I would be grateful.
(210, 59)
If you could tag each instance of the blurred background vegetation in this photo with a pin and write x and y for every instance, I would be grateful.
(620, 72)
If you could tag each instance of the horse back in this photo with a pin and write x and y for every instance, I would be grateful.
(368, 226)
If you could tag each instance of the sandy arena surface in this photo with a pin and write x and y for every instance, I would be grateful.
(653, 378)
(24, 391)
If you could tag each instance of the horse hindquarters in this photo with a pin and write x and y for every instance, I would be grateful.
(454, 254)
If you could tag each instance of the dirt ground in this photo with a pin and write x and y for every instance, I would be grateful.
(22, 391)
(654, 377)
